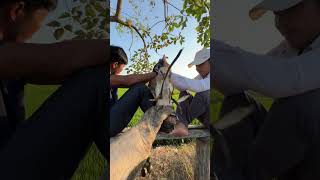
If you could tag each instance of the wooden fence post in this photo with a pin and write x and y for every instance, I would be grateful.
(202, 161)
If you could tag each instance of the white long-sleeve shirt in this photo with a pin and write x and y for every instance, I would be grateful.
(198, 84)
(281, 73)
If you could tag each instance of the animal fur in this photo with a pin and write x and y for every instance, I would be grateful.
(131, 148)
(162, 95)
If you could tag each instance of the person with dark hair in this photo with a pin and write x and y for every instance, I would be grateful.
(122, 110)
(284, 142)
(197, 106)
(118, 61)
(50, 5)
(118, 55)
(51, 143)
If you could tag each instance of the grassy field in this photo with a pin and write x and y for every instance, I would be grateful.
(93, 164)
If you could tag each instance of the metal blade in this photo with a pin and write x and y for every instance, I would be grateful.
(183, 98)
(233, 117)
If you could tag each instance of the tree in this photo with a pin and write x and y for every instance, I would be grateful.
(171, 33)
(86, 19)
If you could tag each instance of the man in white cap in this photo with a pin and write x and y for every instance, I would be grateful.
(197, 106)
(284, 142)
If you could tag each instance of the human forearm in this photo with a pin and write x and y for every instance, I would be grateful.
(130, 80)
(196, 85)
(235, 71)
(46, 63)
(98, 53)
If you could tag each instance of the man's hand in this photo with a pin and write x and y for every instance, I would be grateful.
(126, 81)
(157, 67)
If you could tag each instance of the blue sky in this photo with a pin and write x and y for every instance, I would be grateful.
(190, 45)
(122, 39)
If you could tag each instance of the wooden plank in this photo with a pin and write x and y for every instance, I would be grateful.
(196, 127)
(202, 164)
(193, 133)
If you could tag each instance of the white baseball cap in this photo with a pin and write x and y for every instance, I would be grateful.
(201, 56)
(271, 5)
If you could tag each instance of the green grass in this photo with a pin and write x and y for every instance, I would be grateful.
(92, 166)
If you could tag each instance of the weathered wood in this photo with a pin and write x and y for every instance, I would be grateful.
(202, 159)
(202, 164)
(194, 132)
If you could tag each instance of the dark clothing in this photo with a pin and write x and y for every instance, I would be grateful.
(286, 145)
(13, 100)
(5, 125)
(15, 105)
(195, 107)
(113, 96)
(51, 143)
(124, 109)
(238, 138)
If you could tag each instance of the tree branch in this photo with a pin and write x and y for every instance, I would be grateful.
(117, 18)
(119, 8)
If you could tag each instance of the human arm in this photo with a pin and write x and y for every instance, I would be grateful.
(125, 81)
(235, 70)
(50, 63)
(196, 85)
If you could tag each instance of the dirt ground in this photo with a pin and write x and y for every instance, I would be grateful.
(172, 163)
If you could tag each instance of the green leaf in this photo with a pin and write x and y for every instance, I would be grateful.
(68, 27)
(80, 33)
(75, 10)
(90, 11)
(90, 25)
(85, 20)
(76, 18)
(58, 33)
(103, 14)
(54, 24)
(65, 15)
(95, 20)
(98, 7)
(103, 24)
